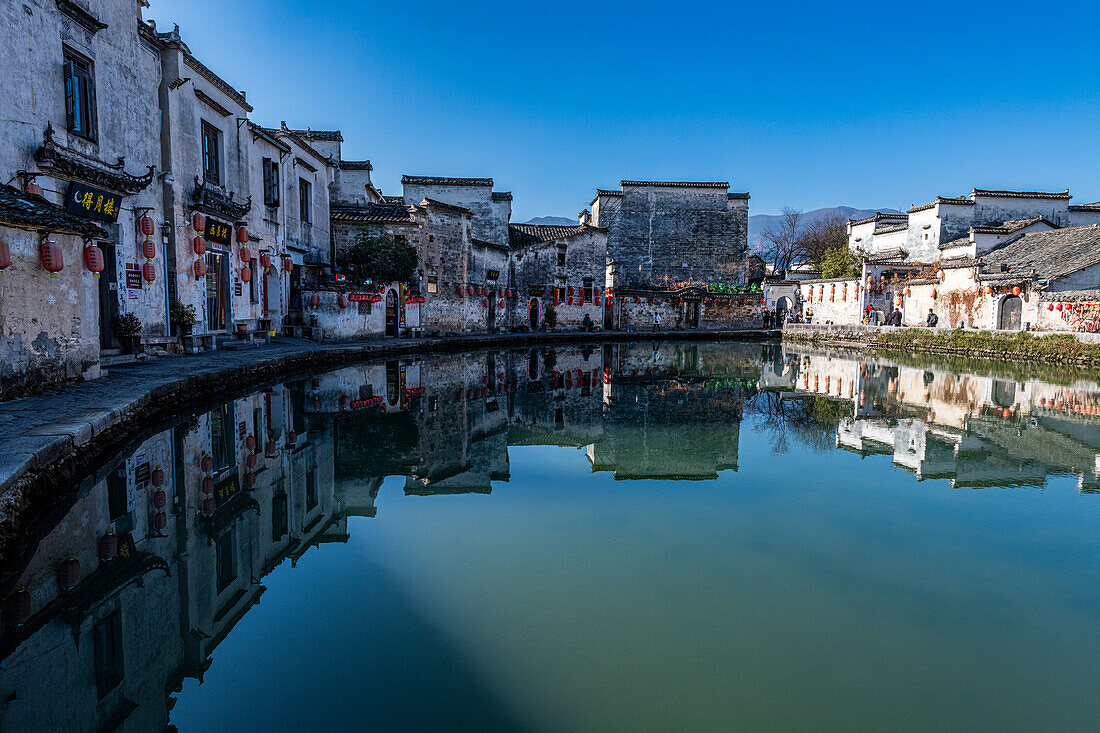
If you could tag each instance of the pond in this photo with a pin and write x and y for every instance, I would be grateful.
(642, 537)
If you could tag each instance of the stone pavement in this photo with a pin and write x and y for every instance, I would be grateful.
(48, 427)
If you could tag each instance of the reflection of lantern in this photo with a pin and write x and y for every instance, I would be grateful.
(108, 546)
(1016, 291)
(160, 521)
(314, 300)
(271, 448)
(68, 573)
(250, 442)
(148, 249)
(53, 261)
(148, 227)
(160, 498)
(469, 290)
(250, 460)
(208, 485)
(249, 479)
(200, 269)
(206, 464)
(342, 301)
(17, 607)
(291, 437)
(93, 259)
(157, 476)
(149, 272)
(198, 244)
(198, 222)
(209, 505)
(246, 274)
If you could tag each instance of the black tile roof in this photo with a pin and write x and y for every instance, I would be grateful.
(1049, 254)
(1064, 195)
(743, 195)
(28, 211)
(356, 165)
(487, 243)
(527, 235)
(393, 199)
(446, 181)
(677, 184)
(502, 195)
(372, 214)
(323, 135)
(954, 201)
(1014, 225)
(445, 206)
(888, 228)
(879, 216)
(1085, 207)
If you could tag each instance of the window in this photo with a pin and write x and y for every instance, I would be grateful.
(80, 114)
(107, 653)
(225, 560)
(271, 182)
(253, 291)
(561, 258)
(311, 490)
(116, 493)
(211, 147)
(305, 201)
(433, 284)
(222, 446)
(279, 522)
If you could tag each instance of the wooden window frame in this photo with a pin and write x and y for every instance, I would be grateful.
(211, 139)
(305, 201)
(81, 118)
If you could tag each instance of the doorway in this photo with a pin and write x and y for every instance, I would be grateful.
(691, 313)
(217, 294)
(391, 313)
(533, 314)
(108, 297)
(1012, 310)
(782, 308)
(491, 312)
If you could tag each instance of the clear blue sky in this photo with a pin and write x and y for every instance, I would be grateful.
(806, 104)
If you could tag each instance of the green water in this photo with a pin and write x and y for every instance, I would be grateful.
(688, 537)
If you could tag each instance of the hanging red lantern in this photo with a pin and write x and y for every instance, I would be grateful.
(242, 234)
(265, 260)
(246, 254)
(160, 498)
(314, 300)
(1050, 306)
(108, 546)
(93, 259)
(157, 476)
(271, 448)
(160, 521)
(246, 274)
(250, 460)
(484, 302)
(34, 188)
(1016, 291)
(209, 505)
(934, 293)
(200, 269)
(1059, 306)
(469, 290)
(148, 227)
(250, 442)
(68, 573)
(342, 301)
(500, 303)
(291, 438)
(149, 272)
(288, 265)
(198, 222)
(207, 485)
(53, 261)
(5, 256)
(198, 244)
(17, 607)
(206, 463)
(249, 479)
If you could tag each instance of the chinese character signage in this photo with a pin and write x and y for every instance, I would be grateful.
(217, 232)
(133, 277)
(226, 489)
(92, 203)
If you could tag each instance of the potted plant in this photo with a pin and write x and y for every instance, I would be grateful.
(128, 330)
(550, 317)
(182, 317)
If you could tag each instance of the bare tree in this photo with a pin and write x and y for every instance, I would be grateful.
(781, 239)
(821, 235)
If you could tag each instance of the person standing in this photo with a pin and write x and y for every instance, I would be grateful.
(933, 319)
(656, 322)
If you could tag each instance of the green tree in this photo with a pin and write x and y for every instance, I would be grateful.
(380, 259)
(839, 261)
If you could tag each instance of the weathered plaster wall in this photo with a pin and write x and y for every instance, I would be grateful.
(832, 301)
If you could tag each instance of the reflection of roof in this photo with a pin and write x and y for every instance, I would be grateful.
(1050, 254)
(28, 211)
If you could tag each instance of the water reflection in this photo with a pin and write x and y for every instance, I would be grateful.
(156, 557)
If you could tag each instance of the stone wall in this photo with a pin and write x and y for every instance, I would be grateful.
(489, 222)
(635, 310)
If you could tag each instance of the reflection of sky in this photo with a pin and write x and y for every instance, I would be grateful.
(814, 590)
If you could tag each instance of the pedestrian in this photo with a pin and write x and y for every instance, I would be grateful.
(656, 322)
(933, 319)
(809, 315)
(767, 319)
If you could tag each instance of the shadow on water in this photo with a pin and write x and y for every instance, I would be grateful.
(233, 570)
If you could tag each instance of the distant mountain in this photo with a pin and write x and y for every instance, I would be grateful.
(556, 220)
(760, 223)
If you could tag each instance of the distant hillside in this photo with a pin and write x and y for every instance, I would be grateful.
(558, 220)
(760, 223)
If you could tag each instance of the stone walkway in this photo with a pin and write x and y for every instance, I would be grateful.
(42, 429)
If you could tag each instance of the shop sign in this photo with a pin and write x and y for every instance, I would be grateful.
(493, 275)
(133, 277)
(92, 203)
(218, 232)
(226, 489)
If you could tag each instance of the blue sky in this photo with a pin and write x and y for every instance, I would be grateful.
(806, 104)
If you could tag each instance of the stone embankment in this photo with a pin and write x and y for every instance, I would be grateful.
(1081, 349)
(51, 440)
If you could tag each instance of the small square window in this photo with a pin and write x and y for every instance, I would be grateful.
(433, 284)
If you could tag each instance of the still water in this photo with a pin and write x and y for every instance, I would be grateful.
(681, 537)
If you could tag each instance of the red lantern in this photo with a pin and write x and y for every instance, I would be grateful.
(35, 189)
(108, 546)
(249, 479)
(1016, 291)
(206, 464)
(246, 254)
(68, 573)
(53, 261)
(570, 292)
(160, 521)
(148, 227)
(250, 460)
(934, 293)
(149, 272)
(242, 234)
(1059, 306)
(342, 301)
(208, 485)
(271, 448)
(288, 265)
(250, 442)
(198, 244)
(17, 607)
(469, 290)
(200, 269)
(157, 476)
(291, 438)
(160, 498)
(198, 222)
(501, 302)
(5, 256)
(1050, 306)
(246, 274)
(93, 259)
(265, 260)
(485, 303)
(314, 300)
(209, 505)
